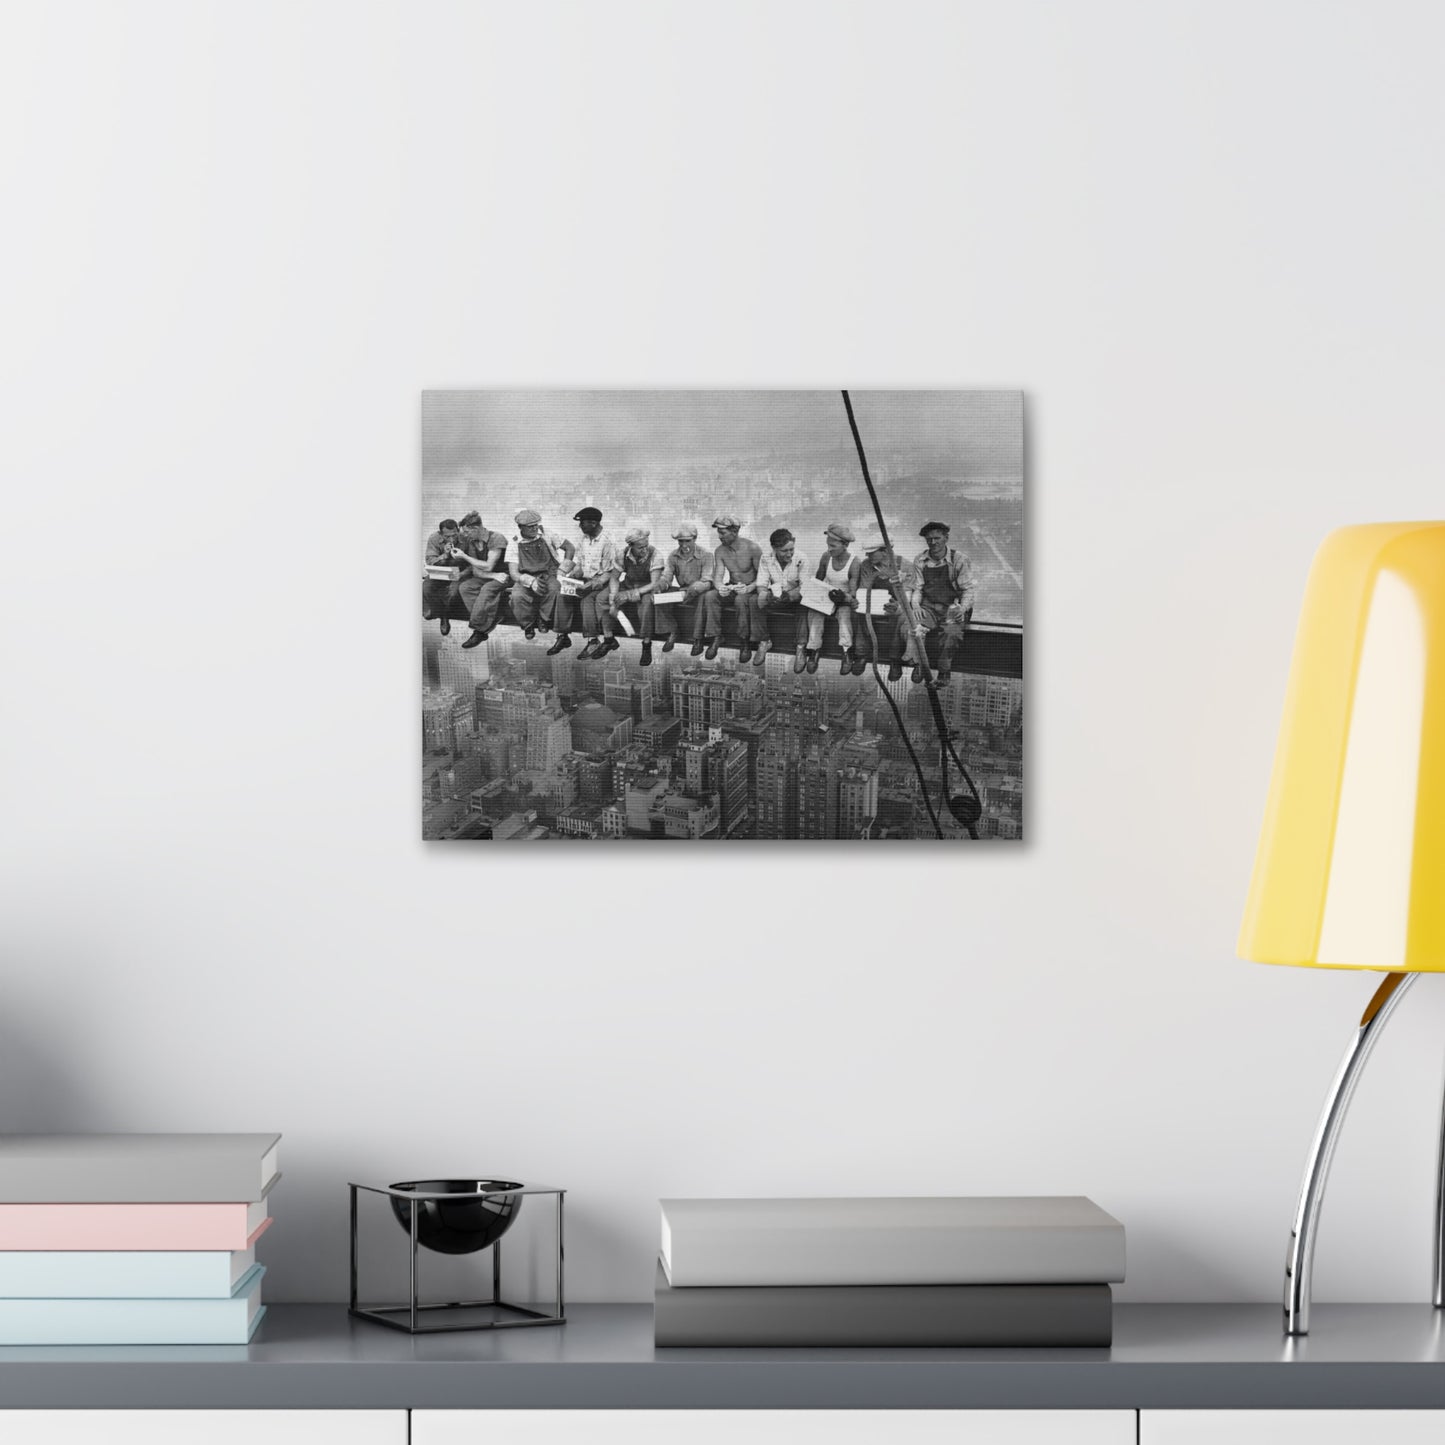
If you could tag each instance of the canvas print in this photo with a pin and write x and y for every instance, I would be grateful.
(722, 615)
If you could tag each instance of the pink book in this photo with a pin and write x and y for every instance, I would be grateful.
(132, 1226)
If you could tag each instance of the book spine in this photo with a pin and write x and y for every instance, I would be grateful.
(120, 1274)
(886, 1316)
(126, 1227)
(743, 1255)
(134, 1321)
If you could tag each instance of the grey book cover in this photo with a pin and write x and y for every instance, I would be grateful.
(1038, 1239)
(884, 1316)
(137, 1168)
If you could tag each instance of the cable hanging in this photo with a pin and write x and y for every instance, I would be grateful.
(965, 807)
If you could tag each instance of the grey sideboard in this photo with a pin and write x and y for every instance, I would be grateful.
(1165, 1357)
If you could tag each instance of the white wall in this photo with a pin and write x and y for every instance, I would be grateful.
(238, 242)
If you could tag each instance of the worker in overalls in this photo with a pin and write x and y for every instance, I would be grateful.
(536, 557)
(639, 567)
(485, 583)
(688, 569)
(942, 600)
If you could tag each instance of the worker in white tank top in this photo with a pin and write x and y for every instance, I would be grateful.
(838, 570)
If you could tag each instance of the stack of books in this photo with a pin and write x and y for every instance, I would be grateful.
(887, 1272)
(132, 1239)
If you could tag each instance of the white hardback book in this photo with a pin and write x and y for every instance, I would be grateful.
(136, 1168)
(1008, 1240)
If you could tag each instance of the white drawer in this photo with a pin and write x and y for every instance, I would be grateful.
(773, 1427)
(202, 1427)
(1291, 1427)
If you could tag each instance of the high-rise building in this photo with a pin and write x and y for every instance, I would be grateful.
(549, 737)
(995, 702)
(445, 720)
(857, 800)
(776, 791)
(564, 676)
(461, 671)
(705, 697)
(715, 763)
(507, 706)
(627, 695)
(818, 789)
(595, 777)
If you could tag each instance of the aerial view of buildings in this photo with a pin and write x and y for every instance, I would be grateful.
(522, 742)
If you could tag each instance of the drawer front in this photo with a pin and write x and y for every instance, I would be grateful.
(1291, 1427)
(774, 1427)
(203, 1427)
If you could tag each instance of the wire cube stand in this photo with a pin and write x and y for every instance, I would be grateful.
(415, 1318)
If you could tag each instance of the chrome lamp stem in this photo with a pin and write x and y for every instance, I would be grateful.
(1299, 1266)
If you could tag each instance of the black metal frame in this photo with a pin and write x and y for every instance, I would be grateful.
(412, 1317)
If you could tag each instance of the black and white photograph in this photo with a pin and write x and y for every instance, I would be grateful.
(722, 615)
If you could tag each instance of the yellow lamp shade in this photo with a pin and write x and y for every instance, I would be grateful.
(1350, 871)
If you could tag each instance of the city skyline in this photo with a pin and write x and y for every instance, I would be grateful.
(532, 739)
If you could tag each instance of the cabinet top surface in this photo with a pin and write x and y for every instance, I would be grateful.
(1163, 1356)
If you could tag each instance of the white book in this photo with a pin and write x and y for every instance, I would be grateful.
(137, 1168)
(1007, 1240)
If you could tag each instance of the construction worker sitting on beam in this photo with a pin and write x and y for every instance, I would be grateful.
(942, 600)
(838, 569)
(735, 575)
(485, 584)
(880, 569)
(688, 570)
(780, 589)
(639, 567)
(536, 557)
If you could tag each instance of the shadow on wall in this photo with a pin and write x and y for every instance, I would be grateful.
(38, 1094)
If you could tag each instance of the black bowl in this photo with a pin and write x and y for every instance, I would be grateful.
(463, 1223)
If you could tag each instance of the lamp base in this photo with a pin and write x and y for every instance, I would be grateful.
(1299, 1263)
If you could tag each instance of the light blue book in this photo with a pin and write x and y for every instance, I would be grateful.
(122, 1273)
(230, 1321)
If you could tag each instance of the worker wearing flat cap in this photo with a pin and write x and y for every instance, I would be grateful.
(941, 598)
(735, 575)
(838, 570)
(485, 581)
(537, 557)
(688, 569)
(780, 590)
(590, 568)
(880, 570)
(438, 593)
(639, 567)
